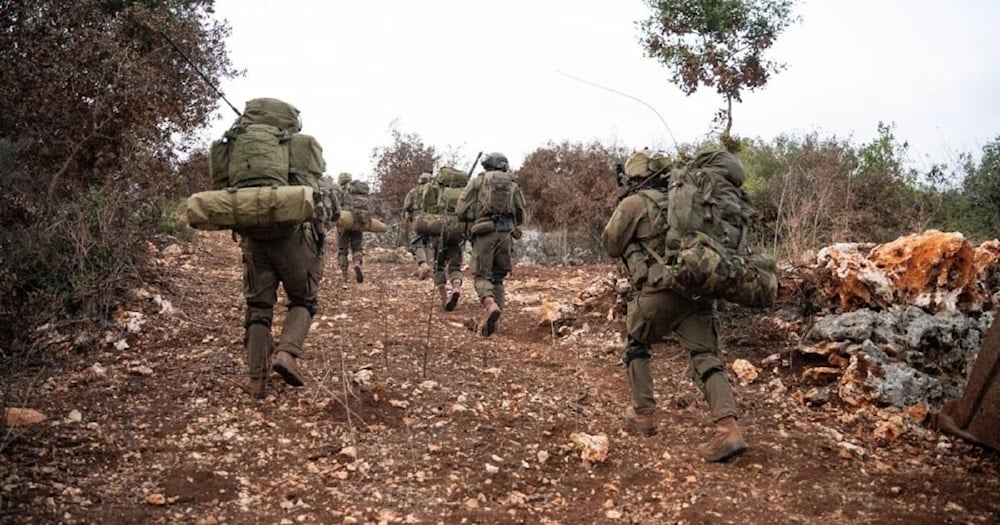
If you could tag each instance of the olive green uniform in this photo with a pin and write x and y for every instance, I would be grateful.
(420, 246)
(411, 206)
(349, 242)
(655, 312)
(491, 249)
(447, 260)
(296, 261)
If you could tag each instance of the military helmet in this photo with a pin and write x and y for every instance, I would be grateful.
(645, 163)
(637, 164)
(343, 178)
(496, 161)
(424, 177)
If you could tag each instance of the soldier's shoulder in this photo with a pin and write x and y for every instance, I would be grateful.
(633, 202)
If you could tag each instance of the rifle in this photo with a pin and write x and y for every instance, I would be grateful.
(658, 178)
(469, 175)
(473, 167)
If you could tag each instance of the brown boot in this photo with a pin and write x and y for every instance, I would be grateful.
(343, 274)
(443, 295)
(725, 443)
(456, 292)
(643, 424)
(284, 365)
(491, 314)
(358, 276)
(257, 388)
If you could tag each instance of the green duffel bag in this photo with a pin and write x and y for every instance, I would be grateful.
(447, 227)
(250, 208)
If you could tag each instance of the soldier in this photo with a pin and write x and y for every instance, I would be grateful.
(448, 269)
(292, 257)
(419, 246)
(351, 240)
(494, 206)
(328, 202)
(634, 230)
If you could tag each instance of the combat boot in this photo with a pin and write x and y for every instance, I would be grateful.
(358, 276)
(456, 292)
(284, 365)
(258, 346)
(443, 296)
(491, 314)
(644, 424)
(423, 271)
(343, 273)
(726, 442)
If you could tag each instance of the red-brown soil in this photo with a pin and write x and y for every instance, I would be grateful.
(445, 427)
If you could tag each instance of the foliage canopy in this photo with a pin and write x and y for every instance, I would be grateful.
(95, 104)
(716, 43)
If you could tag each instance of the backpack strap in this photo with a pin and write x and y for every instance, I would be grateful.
(654, 208)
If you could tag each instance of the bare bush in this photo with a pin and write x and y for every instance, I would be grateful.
(397, 167)
(95, 100)
(570, 187)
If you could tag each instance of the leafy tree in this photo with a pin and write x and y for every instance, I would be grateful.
(397, 167)
(982, 182)
(718, 44)
(96, 105)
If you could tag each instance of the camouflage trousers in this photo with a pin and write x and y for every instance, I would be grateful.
(491, 263)
(405, 230)
(349, 241)
(421, 249)
(655, 314)
(447, 260)
(294, 261)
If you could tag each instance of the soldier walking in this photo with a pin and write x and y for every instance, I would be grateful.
(493, 206)
(634, 230)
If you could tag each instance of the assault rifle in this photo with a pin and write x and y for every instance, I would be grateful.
(469, 176)
(658, 179)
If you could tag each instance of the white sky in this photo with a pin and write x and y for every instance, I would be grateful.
(485, 75)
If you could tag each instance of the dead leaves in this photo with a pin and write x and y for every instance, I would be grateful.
(16, 417)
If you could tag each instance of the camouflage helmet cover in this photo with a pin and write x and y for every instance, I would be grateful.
(496, 161)
(645, 163)
(637, 164)
(343, 178)
(424, 177)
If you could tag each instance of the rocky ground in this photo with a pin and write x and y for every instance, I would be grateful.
(409, 417)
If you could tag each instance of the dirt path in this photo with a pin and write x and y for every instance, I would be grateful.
(390, 429)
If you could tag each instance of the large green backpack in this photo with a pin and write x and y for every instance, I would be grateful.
(441, 195)
(496, 194)
(262, 149)
(439, 199)
(258, 149)
(356, 197)
(707, 196)
(704, 219)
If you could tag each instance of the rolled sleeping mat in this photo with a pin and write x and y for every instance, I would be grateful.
(347, 221)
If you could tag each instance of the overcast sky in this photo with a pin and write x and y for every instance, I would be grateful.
(487, 75)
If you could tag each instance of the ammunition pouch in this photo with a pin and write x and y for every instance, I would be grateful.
(482, 227)
(503, 223)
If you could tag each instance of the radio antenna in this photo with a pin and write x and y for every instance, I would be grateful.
(626, 95)
(202, 75)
